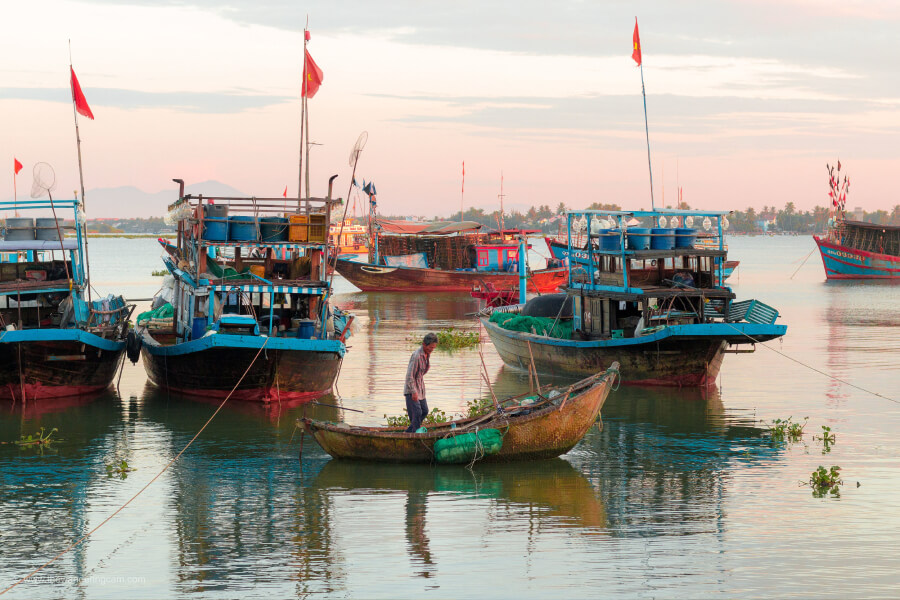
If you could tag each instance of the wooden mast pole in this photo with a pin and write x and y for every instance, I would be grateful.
(87, 261)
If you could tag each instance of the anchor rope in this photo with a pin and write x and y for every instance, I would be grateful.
(811, 368)
(141, 491)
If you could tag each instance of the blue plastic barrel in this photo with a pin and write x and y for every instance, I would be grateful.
(638, 238)
(215, 230)
(684, 237)
(199, 327)
(610, 240)
(662, 239)
(242, 229)
(306, 329)
(273, 229)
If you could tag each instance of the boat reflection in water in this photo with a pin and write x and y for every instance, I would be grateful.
(548, 494)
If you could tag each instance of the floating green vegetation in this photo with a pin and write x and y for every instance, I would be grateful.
(160, 273)
(787, 430)
(478, 406)
(826, 481)
(40, 440)
(435, 417)
(827, 438)
(453, 339)
(121, 469)
(450, 339)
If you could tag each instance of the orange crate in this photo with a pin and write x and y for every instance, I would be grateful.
(299, 228)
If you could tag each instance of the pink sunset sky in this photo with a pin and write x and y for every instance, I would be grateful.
(747, 100)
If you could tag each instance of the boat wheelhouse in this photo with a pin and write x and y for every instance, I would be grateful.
(653, 301)
(248, 309)
(443, 256)
(56, 341)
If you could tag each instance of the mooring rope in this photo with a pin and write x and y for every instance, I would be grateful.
(811, 368)
(141, 491)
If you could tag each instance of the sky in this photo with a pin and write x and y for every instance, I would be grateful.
(747, 100)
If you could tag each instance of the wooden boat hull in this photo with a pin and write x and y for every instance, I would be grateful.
(380, 278)
(560, 251)
(841, 262)
(279, 373)
(56, 363)
(547, 432)
(679, 355)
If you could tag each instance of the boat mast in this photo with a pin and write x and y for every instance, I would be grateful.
(501, 196)
(304, 120)
(87, 261)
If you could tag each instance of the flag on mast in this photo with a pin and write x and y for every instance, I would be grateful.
(285, 192)
(17, 166)
(636, 54)
(78, 98)
(312, 76)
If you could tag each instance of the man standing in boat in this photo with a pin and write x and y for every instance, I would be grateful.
(414, 388)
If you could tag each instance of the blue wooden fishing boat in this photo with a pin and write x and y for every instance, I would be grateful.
(653, 301)
(55, 340)
(859, 250)
(248, 292)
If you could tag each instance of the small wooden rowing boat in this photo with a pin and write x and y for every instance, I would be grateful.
(550, 426)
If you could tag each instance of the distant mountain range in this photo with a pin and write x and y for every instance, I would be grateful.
(128, 202)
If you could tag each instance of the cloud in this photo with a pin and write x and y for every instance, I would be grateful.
(192, 102)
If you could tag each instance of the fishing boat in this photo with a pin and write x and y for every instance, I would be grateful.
(559, 250)
(853, 249)
(545, 424)
(653, 302)
(860, 250)
(248, 306)
(56, 341)
(348, 238)
(443, 256)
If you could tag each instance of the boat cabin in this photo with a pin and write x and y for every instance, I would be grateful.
(247, 266)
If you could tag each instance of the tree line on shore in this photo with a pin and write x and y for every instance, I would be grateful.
(768, 219)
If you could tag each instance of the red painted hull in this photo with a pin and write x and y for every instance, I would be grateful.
(376, 278)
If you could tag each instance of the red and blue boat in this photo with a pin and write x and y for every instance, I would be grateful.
(859, 250)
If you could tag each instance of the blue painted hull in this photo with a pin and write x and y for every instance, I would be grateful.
(287, 369)
(55, 363)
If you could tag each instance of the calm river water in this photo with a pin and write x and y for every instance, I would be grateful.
(680, 495)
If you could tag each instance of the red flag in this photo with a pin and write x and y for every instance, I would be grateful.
(312, 77)
(17, 166)
(636, 54)
(285, 192)
(81, 104)
(306, 34)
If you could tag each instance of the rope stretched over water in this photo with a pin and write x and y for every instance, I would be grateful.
(141, 491)
(811, 368)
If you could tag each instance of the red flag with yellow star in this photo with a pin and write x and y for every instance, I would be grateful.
(636, 54)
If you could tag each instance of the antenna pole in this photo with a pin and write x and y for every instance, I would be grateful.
(462, 191)
(302, 116)
(647, 130)
(501, 204)
(87, 260)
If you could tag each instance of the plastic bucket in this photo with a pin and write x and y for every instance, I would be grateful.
(638, 238)
(242, 229)
(610, 240)
(215, 230)
(199, 328)
(45, 229)
(215, 211)
(684, 237)
(18, 228)
(273, 229)
(258, 270)
(662, 239)
(306, 329)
